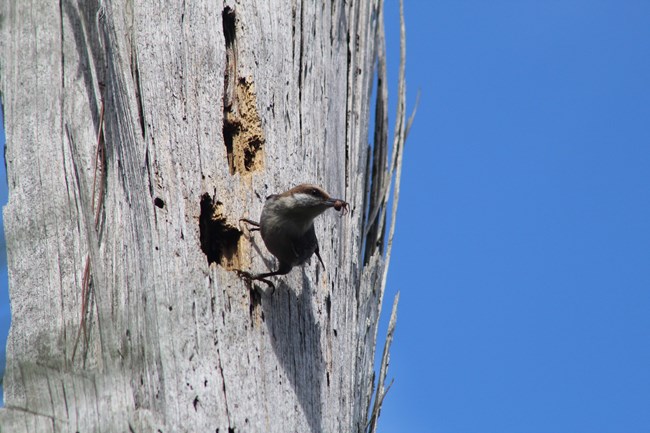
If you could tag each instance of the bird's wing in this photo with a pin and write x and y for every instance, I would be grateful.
(304, 248)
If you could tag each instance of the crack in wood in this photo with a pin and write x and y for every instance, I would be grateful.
(242, 127)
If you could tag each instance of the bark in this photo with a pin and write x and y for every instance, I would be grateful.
(138, 134)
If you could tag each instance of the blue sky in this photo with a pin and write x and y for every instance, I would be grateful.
(5, 314)
(522, 250)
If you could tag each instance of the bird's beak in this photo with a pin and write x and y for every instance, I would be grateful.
(332, 201)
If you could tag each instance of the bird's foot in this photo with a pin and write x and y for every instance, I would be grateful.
(252, 277)
(255, 224)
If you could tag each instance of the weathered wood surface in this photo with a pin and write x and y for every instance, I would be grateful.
(204, 102)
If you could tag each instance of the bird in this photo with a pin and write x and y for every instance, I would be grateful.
(287, 227)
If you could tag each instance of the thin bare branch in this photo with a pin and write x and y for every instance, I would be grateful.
(401, 131)
(385, 360)
(373, 230)
(412, 116)
(399, 139)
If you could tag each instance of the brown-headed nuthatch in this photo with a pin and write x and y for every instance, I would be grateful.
(287, 226)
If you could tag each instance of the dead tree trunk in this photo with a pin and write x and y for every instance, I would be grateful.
(138, 134)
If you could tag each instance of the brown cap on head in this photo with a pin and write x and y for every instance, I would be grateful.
(306, 188)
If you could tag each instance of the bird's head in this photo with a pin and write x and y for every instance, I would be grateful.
(305, 201)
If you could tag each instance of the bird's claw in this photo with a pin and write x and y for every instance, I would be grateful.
(250, 278)
(255, 224)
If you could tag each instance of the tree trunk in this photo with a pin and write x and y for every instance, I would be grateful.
(137, 135)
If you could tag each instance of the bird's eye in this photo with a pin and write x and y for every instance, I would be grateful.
(314, 192)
